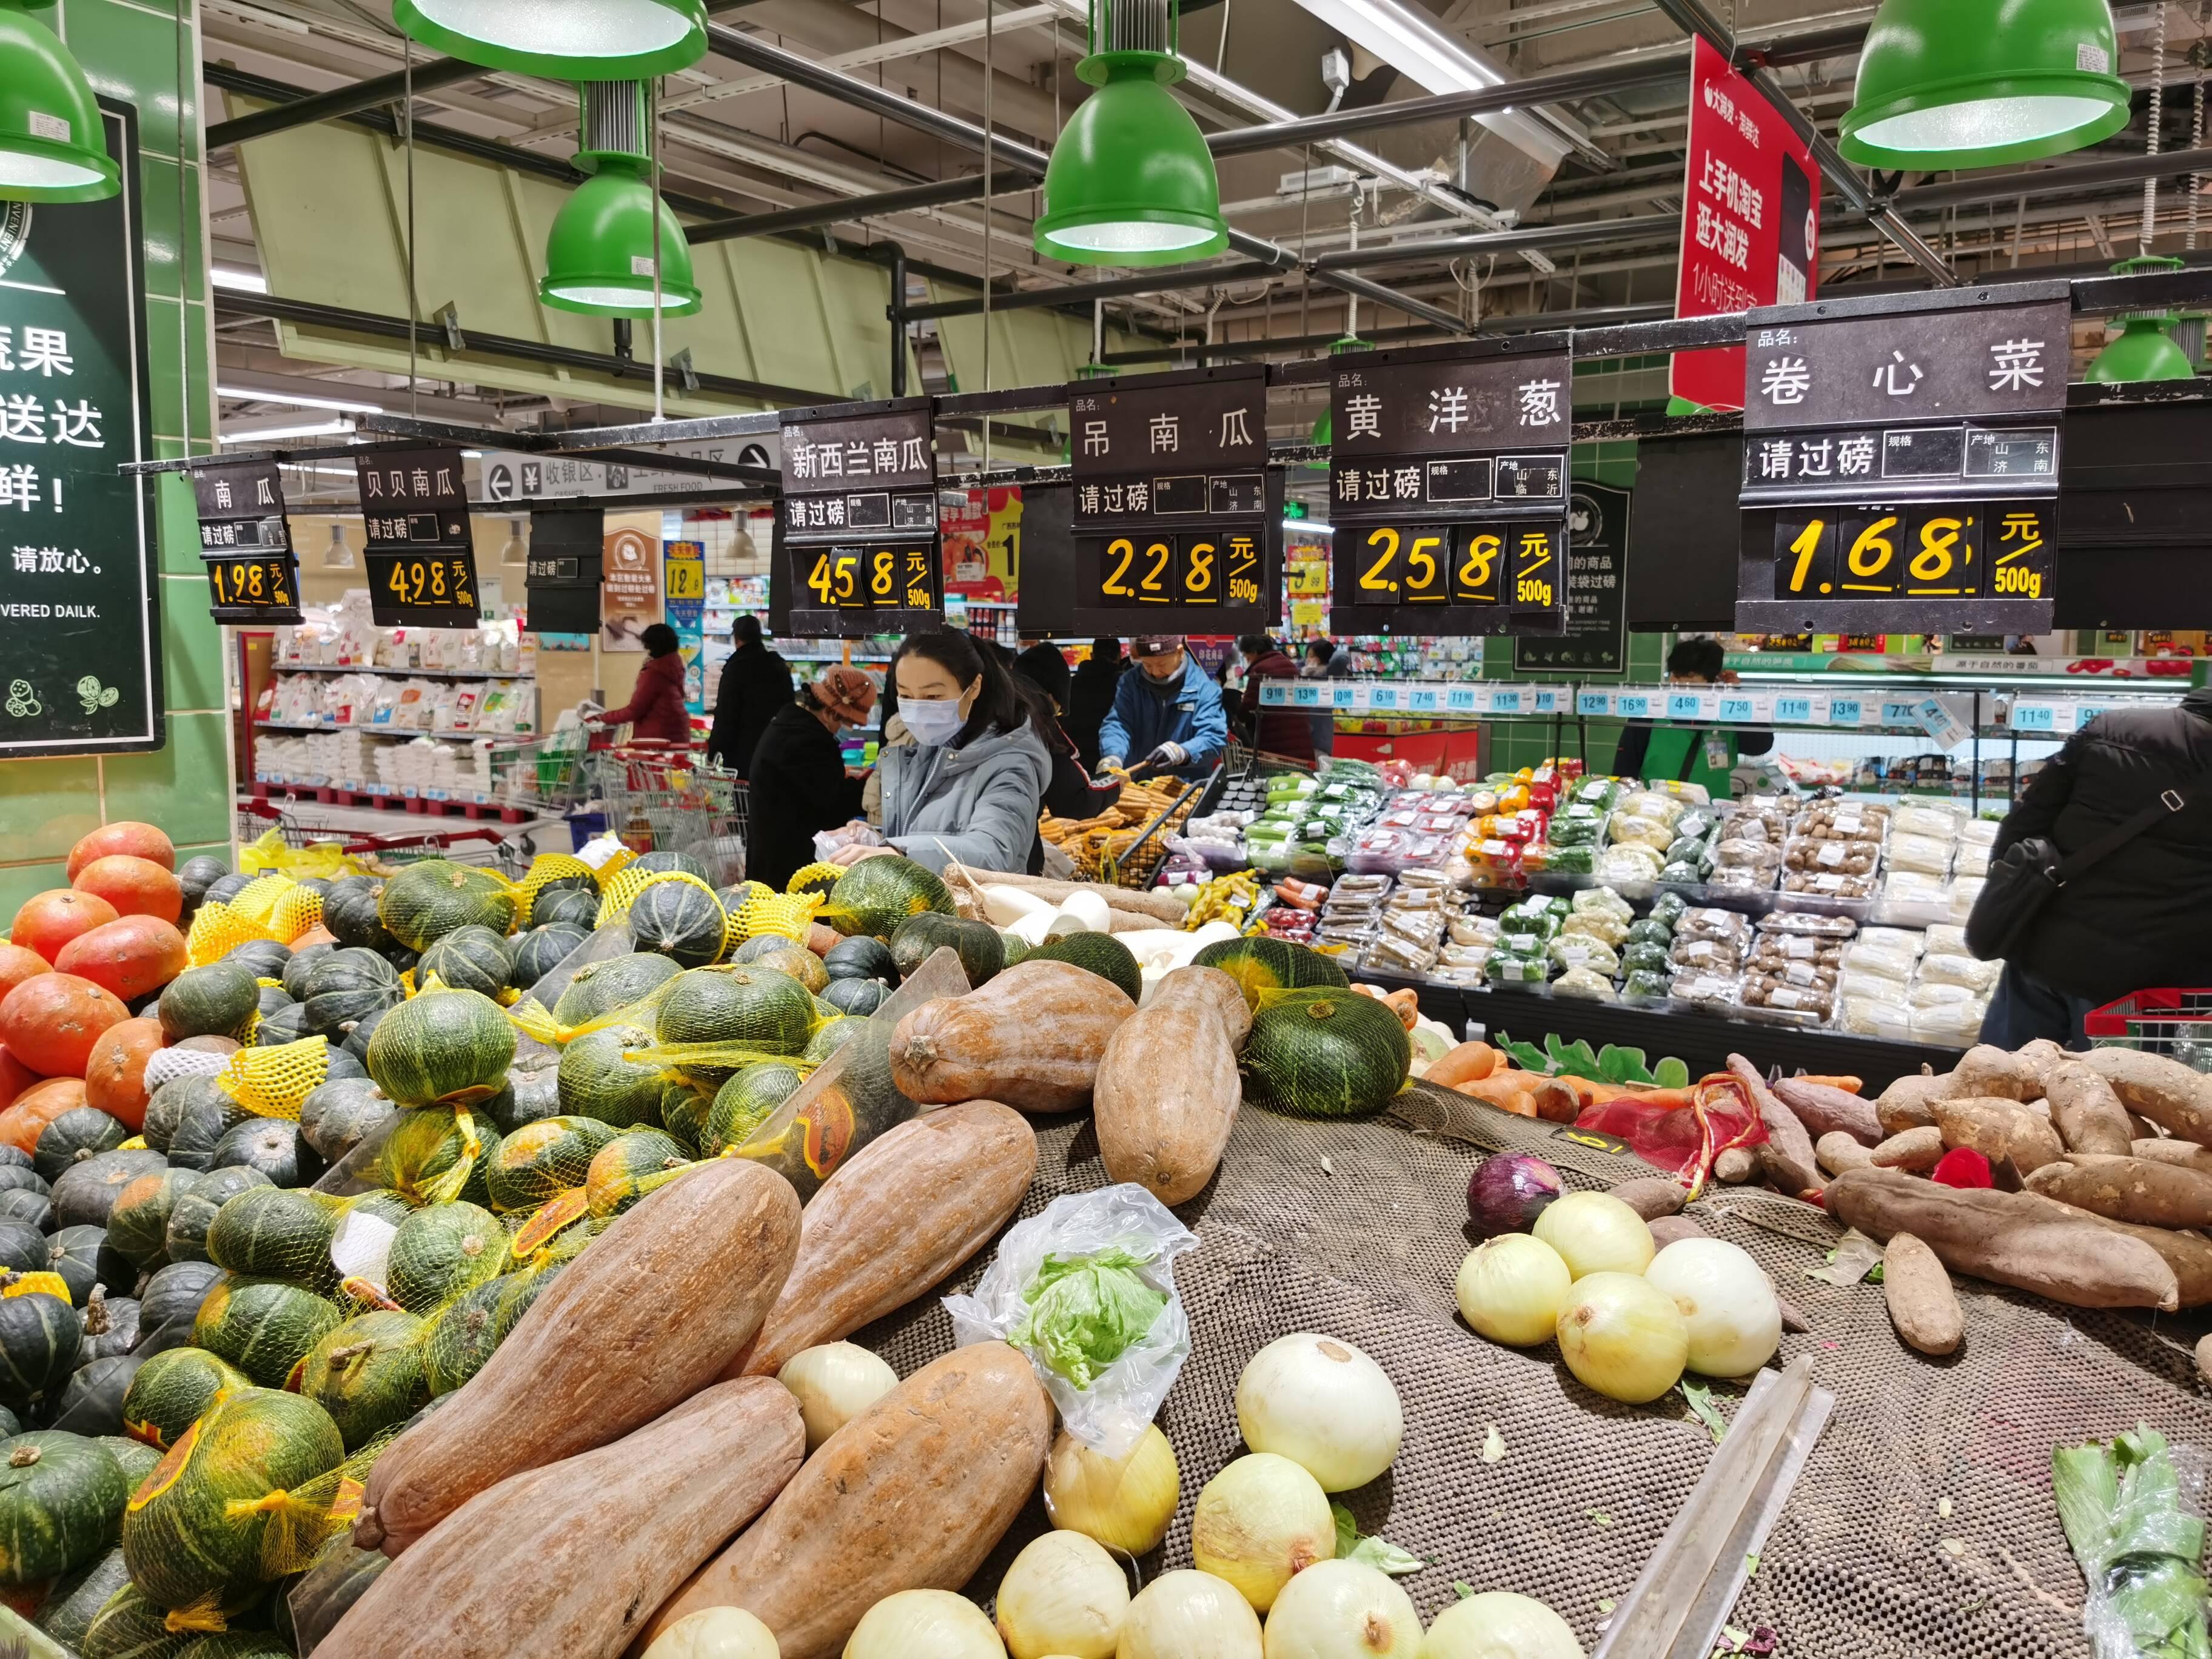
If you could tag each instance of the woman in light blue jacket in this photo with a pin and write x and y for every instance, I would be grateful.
(968, 788)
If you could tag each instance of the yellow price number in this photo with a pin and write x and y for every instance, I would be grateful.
(1474, 576)
(687, 578)
(239, 585)
(836, 578)
(1870, 558)
(1427, 569)
(1942, 562)
(1120, 553)
(1377, 579)
(883, 576)
(1805, 557)
(1201, 572)
(1156, 580)
(439, 582)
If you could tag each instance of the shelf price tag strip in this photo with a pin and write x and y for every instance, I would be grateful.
(421, 563)
(1900, 468)
(860, 552)
(1177, 519)
(1447, 488)
(254, 575)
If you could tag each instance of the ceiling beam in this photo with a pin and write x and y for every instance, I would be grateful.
(305, 109)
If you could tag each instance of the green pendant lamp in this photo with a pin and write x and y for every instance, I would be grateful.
(2143, 350)
(600, 258)
(567, 39)
(1977, 83)
(1131, 180)
(53, 148)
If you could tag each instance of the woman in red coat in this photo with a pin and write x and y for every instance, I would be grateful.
(655, 709)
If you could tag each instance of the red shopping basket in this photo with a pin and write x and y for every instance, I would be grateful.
(2166, 1020)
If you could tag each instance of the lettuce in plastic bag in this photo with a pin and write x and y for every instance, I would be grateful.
(1085, 1311)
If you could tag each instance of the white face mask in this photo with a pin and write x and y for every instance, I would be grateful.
(934, 721)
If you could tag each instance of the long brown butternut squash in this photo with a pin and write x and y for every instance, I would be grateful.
(654, 1310)
(1032, 1037)
(901, 1216)
(1168, 1089)
(571, 1558)
(911, 1494)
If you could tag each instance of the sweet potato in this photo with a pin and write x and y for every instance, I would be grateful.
(2169, 1093)
(1668, 1227)
(1921, 1303)
(1824, 1110)
(2165, 1150)
(2189, 1255)
(1786, 1154)
(1168, 1089)
(1838, 1151)
(2007, 1238)
(1916, 1150)
(911, 1494)
(1468, 1063)
(1986, 1070)
(1651, 1196)
(1999, 1127)
(1735, 1166)
(2040, 1056)
(1910, 1103)
(2141, 1190)
(2086, 1113)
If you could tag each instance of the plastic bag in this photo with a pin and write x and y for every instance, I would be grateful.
(828, 841)
(1122, 1224)
(2134, 1515)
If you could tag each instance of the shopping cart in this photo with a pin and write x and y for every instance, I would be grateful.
(667, 800)
(381, 854)
(547, 776)
(2172, 1021)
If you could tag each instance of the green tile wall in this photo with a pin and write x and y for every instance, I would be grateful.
(131, 50)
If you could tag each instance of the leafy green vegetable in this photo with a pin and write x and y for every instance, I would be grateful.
(1702, 1408)
(1377, 1553)
(1578, 1059)
(1618, 1065)
(1527, 1055)
(1084, 1311)
(1347, 1529)
(1671, 1073)
(2139, 1548)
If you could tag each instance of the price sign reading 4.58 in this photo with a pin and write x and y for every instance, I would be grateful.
(876, 578)
(857, 531)
(254, 590)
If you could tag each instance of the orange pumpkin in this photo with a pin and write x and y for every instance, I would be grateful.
(115, 1076)
(143, 841)
(51, 1021)
(129, 957)
(15, 1077)
(22, 1124)
(18, 964)
(49, 920)
(135, 886)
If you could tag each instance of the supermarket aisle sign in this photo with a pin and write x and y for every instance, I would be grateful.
(1751, 221)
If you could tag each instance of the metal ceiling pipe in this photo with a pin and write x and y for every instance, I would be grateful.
(1115, 288)
(1982, 188)
(1589, 233)
(851, 210)
(307, 108)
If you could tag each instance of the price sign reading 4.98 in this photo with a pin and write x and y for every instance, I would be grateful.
(422, 567)
(443, 587)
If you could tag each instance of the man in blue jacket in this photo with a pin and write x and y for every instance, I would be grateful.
(1168, 714)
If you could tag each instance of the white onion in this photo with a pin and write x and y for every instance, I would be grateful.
(1511, 1288)
(1726, 1301)
(1342, 1610)
(1623, 1336)
(835, 1383)
(1595, 1233)
(1125, 1502)
(1258, 1521)
(1063, 1598)
(1324, 1405)
(924, 1624)
(1189, 1616)
(1499, 1625)
(716, 1634)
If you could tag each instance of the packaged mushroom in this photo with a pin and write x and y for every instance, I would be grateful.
(1837, 820)
(1770, 995)
(1805, 855)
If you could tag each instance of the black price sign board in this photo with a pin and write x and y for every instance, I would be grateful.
(1448, 491)
(1177, 522)
(566, 546)
(421, 563)
(252, 575)
(80, 616)
(1900, 466)
(1596, 640)
(860, 550)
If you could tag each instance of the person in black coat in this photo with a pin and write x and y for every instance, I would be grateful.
(1091, 696)
(797, 787)
(2139, 918)
(756, 684)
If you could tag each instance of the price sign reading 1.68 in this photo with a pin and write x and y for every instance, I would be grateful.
(1924, 552)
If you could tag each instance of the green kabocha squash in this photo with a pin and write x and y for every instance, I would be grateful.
(458, 1340)
(78, 1595)
(631, 1166)
(1326, 1053)
(173, 1295)
(856, 996)
(796, 961)
(544, 1159)
(441, 1251)
(227, 887)
(264, 958)
(193, 1533)
(817, 879)
(91, 1401)
(39, 1336)
(471, 958)
(335, 1116)
(241, 1644)
(759, 945)
(265, 1326)
(33, 1209)
(272, 1000)
(274, 1233)
(173, 1390)
(568, 907)
(1261, 965)
(746, 1102)
(61, 1500)
(861, 956)
(198, 873)
(138, 1226)
(110, 1328)
(684, 1108)
(14, 1157)
(875, 895)
(982, 952)
(301, 968)
(130, 1626)
(735, 897)
(345, 1065)
(137, 1459)
(1097, 953)
(755, 1008)
(271, 1145)
(584, 883)
(452, 1046)
(340, 1575)
(286, 1025)
(598, 989)
(426, 900)
(369, 1375)
(24, 1248)
(679, 921)
(433, 1154)
(596, 1081)
(543, 949)
(85, 1194)
(663, 863)
(81, 1256)
(834, 1034)
(216, 1001)
(532, 1091)
(170, 1104)
(1017, 949)
(347, 986)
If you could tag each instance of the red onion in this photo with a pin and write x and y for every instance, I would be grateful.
(1508, 1192)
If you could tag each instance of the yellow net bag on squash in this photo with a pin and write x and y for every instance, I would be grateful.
(217, 930)
(298, 911)
(274, 1082)
(545, 870)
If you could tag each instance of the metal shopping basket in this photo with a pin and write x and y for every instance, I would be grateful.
(2175, 1022)
(667, 800)
(381, 854)
(548, 777)
(1135, 865)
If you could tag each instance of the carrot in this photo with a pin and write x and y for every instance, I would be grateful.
(1508, 1092)
(1468, 1063)
(1850, 1085)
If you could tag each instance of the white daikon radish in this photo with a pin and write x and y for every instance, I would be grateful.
(1005, 906)
(1078, 912)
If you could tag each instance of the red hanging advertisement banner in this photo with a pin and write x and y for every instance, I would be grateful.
(1751, 221)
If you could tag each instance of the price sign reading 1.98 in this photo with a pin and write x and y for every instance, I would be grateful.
(858, 523)
(256, 590)
(253, 577)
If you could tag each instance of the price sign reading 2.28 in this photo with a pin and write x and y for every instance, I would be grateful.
(1198, 570)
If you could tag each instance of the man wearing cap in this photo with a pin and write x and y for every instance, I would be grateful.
(1167, 717)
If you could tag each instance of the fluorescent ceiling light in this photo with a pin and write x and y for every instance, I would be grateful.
(271, 433)
(1310, 526)
(1410, 41)
(242, 282)
(297, 401)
